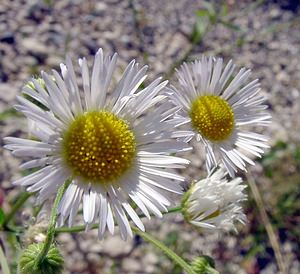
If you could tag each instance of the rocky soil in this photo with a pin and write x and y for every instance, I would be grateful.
(36, 35)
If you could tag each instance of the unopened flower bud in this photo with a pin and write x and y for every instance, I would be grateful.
(52, 263)
(204, 265)
(35, 234)
(31, 85)
(214, 202)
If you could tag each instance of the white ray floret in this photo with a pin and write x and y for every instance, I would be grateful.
(68, 114)
(219, 107)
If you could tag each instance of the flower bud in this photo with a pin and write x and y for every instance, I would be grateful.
(204, 265)
(35, 234)
(214, 202)
(31, 85)
(52, 263)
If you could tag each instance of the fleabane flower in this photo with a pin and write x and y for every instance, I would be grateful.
(219, 107)
(214, 202)
(113, 141)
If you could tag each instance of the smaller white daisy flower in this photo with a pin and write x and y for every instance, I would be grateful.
(214, 202)
(219, 107)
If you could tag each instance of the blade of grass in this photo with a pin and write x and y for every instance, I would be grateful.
(3, 262)
(266, 221)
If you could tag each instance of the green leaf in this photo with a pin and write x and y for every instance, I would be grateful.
(2, 216)
(199, 29)
(230, 25)
(254, 250)
(202, 13)
(9, 113)
(210, 8)
(171, 238)
(240, 41)
(297, 154)
(224, 10)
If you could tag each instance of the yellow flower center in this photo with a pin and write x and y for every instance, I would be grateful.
(99, 147)
(212, 117)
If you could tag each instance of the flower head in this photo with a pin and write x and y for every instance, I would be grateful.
(219, 107)
(214, 202)
(105, 138)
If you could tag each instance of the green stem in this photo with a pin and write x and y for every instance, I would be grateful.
(74, 229)
(37, 210)
(211, 270)
(172, 210)
(171, 254)
(51, 227)
(178, 260)
(22, 199)
(80, 228)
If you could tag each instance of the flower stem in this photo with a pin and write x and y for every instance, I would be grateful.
(74, 229)
(19, 203)
(51, 228)
(80, 228)
(171, 254)
(173, 210)
(211, 270)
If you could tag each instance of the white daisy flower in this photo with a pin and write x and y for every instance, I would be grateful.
(214, 202)
(107, 139)
(219, 107)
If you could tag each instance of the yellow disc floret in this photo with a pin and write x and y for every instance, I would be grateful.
(99, 147)
(212, 117)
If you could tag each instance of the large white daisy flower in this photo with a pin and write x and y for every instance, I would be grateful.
(214, 202)
(109, 140)
(219, 107)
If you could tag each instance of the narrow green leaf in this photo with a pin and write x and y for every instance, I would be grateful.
(202, 13)
(210, 8)
(199, 29)
(2, 216)
(9, 113)
(3, 262)
(224, 10)
(230, 25)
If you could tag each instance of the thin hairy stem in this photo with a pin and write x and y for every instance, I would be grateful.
(171, 254)
(51, 227)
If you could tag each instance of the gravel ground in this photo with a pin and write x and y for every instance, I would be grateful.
(36, 35)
